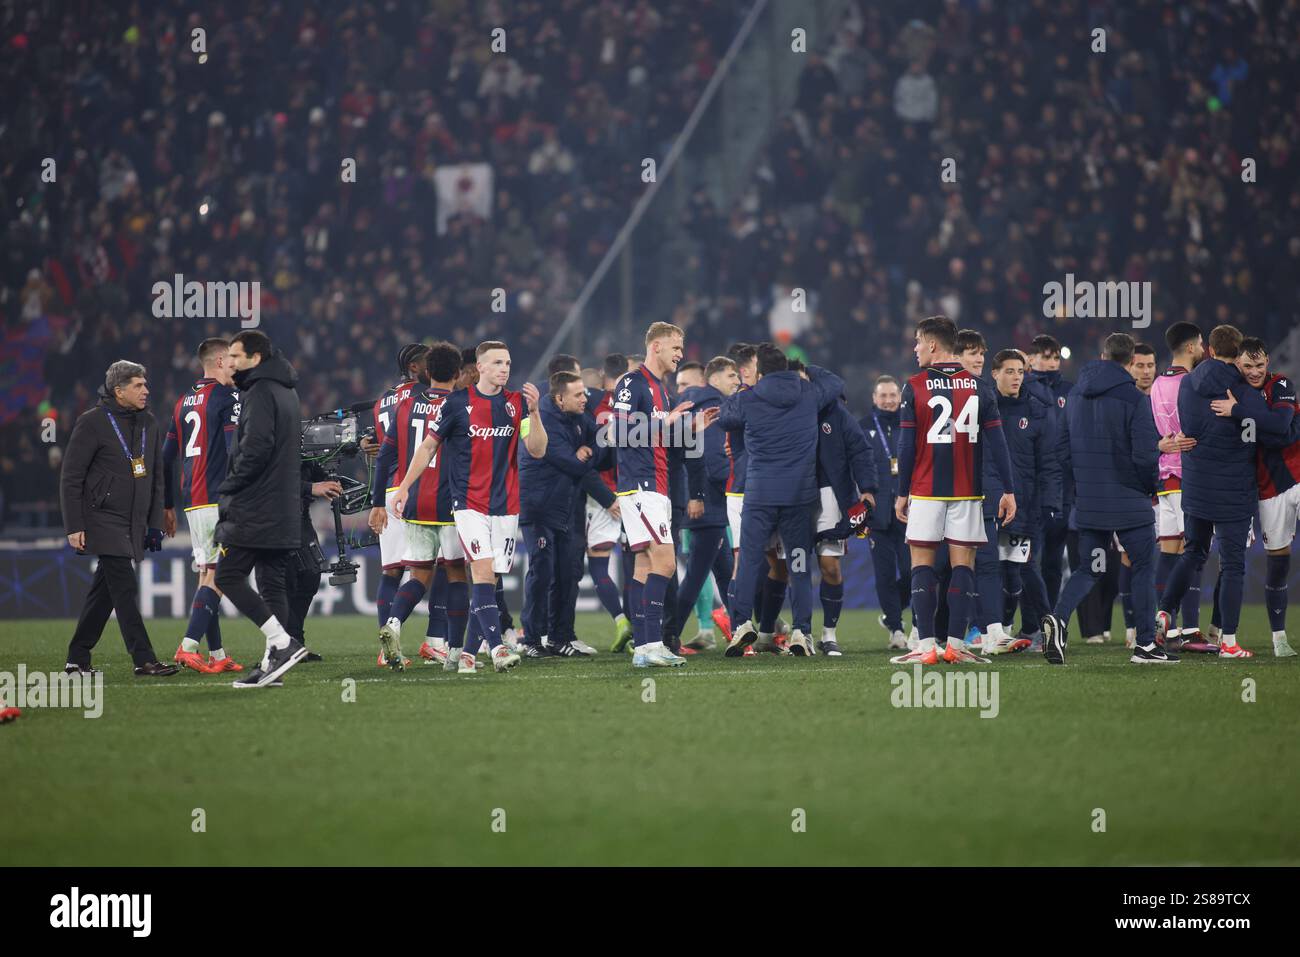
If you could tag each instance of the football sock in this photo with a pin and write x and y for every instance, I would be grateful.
(484, 608)
(924, 600)
(627, 563)
(437, 627)
(1126, 594)
(606, 591)
(1012, 590)
(636, 597)
(217, 654)
(656, 586)
(388, 585)
(1278, 568)
(408, 596)
(214, 624)
(507, 622)
(473, 632)
(276, 636)
(961, 601)
(1165, 562)
(202, 611)
(832, 598)
(457, 613)
(772, 598)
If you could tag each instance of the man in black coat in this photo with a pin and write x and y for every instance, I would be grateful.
(111, 489)
(258, 511)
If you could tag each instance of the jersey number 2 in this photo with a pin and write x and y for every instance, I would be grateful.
(195, 423)
(941, 432)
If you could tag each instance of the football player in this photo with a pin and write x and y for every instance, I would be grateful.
(202, 430)
(949, 421)
(430, 529)
(481, 426)
(641, 428)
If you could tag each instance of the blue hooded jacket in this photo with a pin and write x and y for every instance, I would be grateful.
(707, 473)
(779, 416)
(1219, 474)
(1053, 388)
(1109, 440)
(846, 462)
(1029, 424)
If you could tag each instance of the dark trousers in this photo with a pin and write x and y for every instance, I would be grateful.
(709, 553)
(113, 589)
(1140, 543)
(1098, 607)
(302, 580)
(1052, 559)
(795, 525)
(271, 565)
(543, 548)
(988, 579)
(1198, 533)
(893, 564)
(569, 564)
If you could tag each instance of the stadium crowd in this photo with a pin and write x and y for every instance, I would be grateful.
(1125, 164)
(225, 165)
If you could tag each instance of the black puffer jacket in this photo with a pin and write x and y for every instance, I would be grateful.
(99, 493)
(260, 501)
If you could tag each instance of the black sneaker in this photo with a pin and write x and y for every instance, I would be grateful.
(564, 649)
(1152, 654)
(1053, 640)
(282, 659)
(257, 679)
(312, 656)
(530, 650)
(79, 670)
(156, 669)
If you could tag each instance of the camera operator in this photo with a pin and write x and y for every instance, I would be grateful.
(258, 525)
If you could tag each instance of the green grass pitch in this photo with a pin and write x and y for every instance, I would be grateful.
(712, 771)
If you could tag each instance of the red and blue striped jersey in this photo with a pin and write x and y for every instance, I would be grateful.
(202, 429)
(641, 403)
(481, 444)
(385, 409)
(604, 409)
(428, 500)
(948, 408)
(1276, 470)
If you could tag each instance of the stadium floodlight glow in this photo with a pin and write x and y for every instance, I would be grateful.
(1065, 352)
(204, 207)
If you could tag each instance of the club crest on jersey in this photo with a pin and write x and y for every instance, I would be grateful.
(510, 409)
(1024, 423)
(826, 427)
(541, 542)
(663, 530)
(473, 545)
(1060, 401)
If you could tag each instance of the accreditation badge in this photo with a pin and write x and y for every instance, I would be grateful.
(137, 466)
